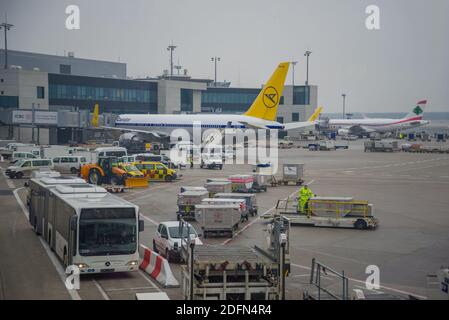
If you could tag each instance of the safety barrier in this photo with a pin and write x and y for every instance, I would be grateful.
(157, 267)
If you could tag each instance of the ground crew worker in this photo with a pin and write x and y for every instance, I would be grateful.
(191, 160)
(303, 198)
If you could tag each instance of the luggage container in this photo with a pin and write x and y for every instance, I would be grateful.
(218, 219)
(189, 188)
(217, 180)
(250, 201)
(233, 201)
(261, 182)
(292, 173)
(218, 187)
(187, 201)
(241, 182)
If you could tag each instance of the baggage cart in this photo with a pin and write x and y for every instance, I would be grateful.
(241, 182)
(292, 173)
(187, 201)
(261, 182)
(218, 187)
(336, 212)
(218, 219)
(250, 201)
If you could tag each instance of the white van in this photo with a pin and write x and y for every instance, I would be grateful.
(24, 168)
(23, 155)
(111, 152)
(70, 164)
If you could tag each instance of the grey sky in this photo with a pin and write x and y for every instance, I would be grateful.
(380, 71)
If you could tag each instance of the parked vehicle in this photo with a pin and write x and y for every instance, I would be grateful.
(24, 168)
(70, 164)
(212, 161)
(149, 157)
(22, 155)
(168, 237)
(108, 171)
(111, 152)
(156, 171)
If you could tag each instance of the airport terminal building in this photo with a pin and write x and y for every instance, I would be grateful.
(61, 91)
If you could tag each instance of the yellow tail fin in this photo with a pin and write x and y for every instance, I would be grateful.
(316, 114)
(95, 116)
(266, 104)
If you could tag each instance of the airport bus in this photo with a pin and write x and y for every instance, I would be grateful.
(90, 228)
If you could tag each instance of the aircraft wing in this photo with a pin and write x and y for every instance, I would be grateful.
(156, 134)
(253, 125)
(298, 125)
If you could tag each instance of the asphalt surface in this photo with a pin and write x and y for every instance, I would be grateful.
(409, 193)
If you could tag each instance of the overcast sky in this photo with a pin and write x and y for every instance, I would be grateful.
(386, 70)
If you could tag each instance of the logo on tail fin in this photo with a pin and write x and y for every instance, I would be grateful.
(270, 97)
(417, 110)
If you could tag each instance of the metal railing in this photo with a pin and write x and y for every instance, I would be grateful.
(319, 269)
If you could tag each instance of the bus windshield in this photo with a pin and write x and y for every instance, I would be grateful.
(107, 231)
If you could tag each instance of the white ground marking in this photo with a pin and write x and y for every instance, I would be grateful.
(102, 292)
(149, 219)
(9, 182)
(360, 281)
(144, 275)
(257, 219)
(72, 292)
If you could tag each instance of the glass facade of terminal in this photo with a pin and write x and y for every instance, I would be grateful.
(227, 100)
(113, 95)
(186, 100)
(301, 95)
(9, 102)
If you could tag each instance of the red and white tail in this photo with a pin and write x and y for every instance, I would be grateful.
(417, 111)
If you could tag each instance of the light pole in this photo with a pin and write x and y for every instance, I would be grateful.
(215, 60)
(307, 54)
(7, 26)
(293, 75)
(344, 104)
(171, 48)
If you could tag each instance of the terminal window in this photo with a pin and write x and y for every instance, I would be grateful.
(65, 69)
(295, 116)
(40, 92)
(186, 100)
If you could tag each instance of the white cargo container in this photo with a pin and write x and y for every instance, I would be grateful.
(218, 220)
(218, 187)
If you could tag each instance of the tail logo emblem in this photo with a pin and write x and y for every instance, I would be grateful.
(270, 97)
(417, 110)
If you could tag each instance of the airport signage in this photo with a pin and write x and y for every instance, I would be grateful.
(22, 117)
(40, 117)
(46, 117)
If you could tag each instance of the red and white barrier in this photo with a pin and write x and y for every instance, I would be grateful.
(157, 267)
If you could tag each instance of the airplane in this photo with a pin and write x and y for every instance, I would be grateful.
(260, 115)
(381, 125)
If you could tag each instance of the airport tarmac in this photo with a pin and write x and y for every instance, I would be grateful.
(409, 193)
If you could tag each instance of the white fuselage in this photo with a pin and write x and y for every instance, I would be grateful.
(166, 123)
(378, 125)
